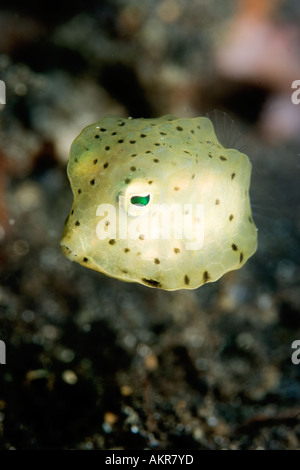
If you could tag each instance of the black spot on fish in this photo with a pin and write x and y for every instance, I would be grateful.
(85, 260)
(127, 181)
(132, 141)
(241, 257)
(155, 160)
(143, 135)
(217, 202)
(234, 247)
(232, 175)
(96, 136)
(77, 223)
(151, 282)
(112, 241)
(126, 250)
(205, 277)
(120, 141)
(231, 217)
(186, 280)
(105, 165)
(133, 168)
(156, 261)
(222, 158)
(179, 128)
(79, 191)
(92, 182)
(102, 129)
(95, 161)
(176, 250)
(107, 147)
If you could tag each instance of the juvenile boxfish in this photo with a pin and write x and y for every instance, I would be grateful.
(158, 201)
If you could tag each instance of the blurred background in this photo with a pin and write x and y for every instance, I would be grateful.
(95, 363)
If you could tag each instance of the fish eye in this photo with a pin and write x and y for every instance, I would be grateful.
(136, 199)
(140, 201)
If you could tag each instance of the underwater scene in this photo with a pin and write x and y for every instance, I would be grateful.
(150, 225)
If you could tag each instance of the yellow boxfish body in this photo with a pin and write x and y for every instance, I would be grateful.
(159, 202)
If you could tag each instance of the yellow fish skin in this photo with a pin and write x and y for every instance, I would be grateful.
(122, 170)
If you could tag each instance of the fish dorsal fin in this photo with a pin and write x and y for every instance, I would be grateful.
(226, 130)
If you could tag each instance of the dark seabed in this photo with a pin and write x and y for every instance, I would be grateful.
(95, 363)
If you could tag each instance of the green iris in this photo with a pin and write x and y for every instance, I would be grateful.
(140, 200)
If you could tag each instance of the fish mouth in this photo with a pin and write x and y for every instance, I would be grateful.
(68, 252)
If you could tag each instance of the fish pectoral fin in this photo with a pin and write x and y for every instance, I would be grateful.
(226, 130)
